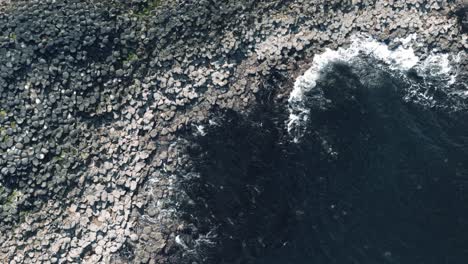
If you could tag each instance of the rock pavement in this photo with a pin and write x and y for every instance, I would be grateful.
(95, 95)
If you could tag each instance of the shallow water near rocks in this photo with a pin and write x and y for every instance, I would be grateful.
(376, 177)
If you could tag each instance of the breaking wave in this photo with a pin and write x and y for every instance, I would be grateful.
(435, 70)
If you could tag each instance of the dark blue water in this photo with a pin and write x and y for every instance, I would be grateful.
(375, 178)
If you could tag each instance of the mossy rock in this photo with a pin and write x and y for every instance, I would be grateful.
(148, 7)
(130, 58)
(12, 36)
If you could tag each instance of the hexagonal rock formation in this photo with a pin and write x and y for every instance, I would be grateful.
(99, 101)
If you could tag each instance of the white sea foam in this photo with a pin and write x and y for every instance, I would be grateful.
(400, 59)
(201, 130)
(440, 65)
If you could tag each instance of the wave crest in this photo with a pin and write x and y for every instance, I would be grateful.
(435, 69)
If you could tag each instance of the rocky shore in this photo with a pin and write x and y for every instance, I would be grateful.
(97, 99)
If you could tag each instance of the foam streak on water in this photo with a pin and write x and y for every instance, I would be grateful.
(400, 59)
